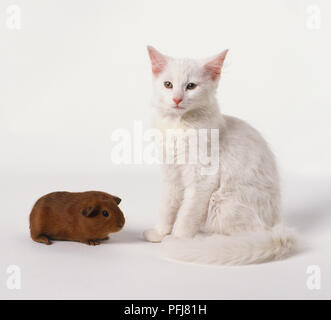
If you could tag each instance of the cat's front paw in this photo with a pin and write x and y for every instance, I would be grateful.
(153, 235)
(184, 233)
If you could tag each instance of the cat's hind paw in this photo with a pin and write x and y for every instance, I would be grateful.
(153, 235)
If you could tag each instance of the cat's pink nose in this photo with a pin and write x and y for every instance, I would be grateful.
(177, 100)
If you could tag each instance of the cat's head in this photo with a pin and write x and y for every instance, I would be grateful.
(182, 85)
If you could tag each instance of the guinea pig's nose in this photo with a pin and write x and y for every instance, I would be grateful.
(120, 223)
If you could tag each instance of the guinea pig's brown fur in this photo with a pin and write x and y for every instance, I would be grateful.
(79, 216)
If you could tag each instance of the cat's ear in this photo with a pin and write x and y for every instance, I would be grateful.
(214, 66)
(158, 60)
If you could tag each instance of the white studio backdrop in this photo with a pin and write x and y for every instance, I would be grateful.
(74, 71)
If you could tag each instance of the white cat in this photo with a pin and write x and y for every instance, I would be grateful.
(231, 217)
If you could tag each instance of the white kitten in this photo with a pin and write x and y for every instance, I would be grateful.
(231, 217)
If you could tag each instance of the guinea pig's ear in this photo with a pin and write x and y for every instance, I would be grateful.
(117, 199)
(88, 211)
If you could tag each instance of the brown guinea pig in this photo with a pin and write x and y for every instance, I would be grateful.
(86, 217)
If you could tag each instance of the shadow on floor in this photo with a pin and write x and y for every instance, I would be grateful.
(126, 236)
(311, 200)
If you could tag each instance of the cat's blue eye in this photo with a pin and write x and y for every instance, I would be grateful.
(191, 86)
(168, 84)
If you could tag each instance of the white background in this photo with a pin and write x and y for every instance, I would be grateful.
(77, 70)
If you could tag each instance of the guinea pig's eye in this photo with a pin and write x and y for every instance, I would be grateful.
(191, 86)
(105, 213)
(168, 84)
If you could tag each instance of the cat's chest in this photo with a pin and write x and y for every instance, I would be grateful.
(165, 125)
(178, 140)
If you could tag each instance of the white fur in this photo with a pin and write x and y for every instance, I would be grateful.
(257, 247)
(232, 217)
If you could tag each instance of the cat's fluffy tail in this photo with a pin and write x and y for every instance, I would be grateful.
(257, 247)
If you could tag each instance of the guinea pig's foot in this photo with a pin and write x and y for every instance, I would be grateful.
(43, 239)
(107, 238)
(92, 242)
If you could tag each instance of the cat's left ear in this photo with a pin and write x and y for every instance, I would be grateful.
(214, 66)
(158, 60)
